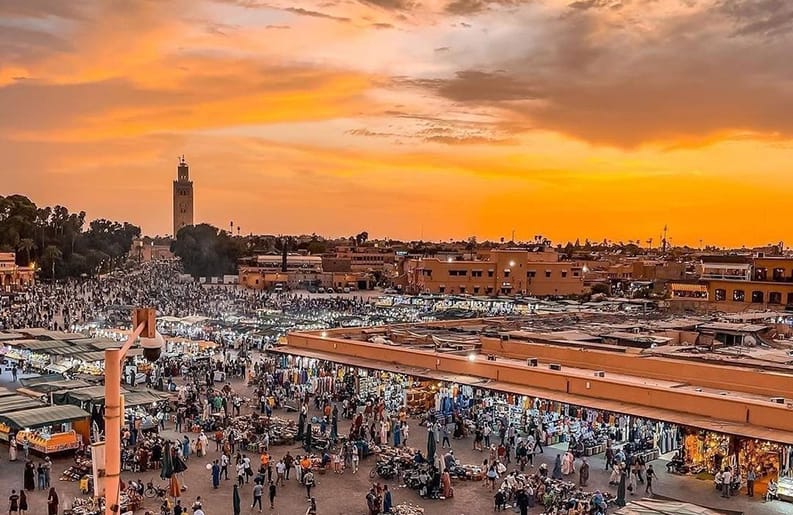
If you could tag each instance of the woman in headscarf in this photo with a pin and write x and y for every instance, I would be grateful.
(30, 476)
(557, 468)
(583, 473)
(12, 449)
(568, 464)
(52, 502)
(446, 481)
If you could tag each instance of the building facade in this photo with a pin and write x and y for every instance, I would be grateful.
(501, 272)
(366, 259)
(147, 249)
(182, 197)
(737, 283)
(765, 283)
(12, 276)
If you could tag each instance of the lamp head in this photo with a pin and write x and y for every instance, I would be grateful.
(152, 347)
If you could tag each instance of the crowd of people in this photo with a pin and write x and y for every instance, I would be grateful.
(58, 306)
(230, 423)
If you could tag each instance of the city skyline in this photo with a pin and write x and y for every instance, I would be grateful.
(446, 118)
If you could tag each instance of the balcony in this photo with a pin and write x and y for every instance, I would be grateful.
(726, 276)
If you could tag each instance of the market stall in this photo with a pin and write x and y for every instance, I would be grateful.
(50, 429)
(10, 403)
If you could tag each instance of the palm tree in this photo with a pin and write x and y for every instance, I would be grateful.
(51, 255)
(26, 245)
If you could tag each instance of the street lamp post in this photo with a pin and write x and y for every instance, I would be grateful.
(143, 323)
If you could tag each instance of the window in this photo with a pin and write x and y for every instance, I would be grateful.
(442, 289)
(490, 273)
(738, 295)
(564, 274)
(720, 294)
(779, 274)
(489, 290)
(757, 297)
(775, 297)
(576, 273)
(760, 274)
(531, 273)
(506, 273)
(476, 290)
(506, 291)
(548, 273)
(462, 289)
(790, 299)
(476, 273)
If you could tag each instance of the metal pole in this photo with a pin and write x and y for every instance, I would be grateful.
(113, 417)
(112, 430)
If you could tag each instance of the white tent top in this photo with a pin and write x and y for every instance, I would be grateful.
(194, 319)
(660, 507)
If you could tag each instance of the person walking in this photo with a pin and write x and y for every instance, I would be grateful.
(40, 476)
(355, 459)
(12, 449)
(235, 500)
(750, 478)
(272, 495)
(23, 503)
(373, 501)
(257, 496)
(13, 503)
(241, 473)
(52, 502)
(29, 476)
(522, 502)
(224, 465)
(387, 502)
(445, 440)
(215, 474)
(583, 473)
(650, 475)
(727, 482)
(308, 482)
(47, 471)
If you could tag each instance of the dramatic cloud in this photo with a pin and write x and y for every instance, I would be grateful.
(391, 4)
(315, 14)
(383, 102)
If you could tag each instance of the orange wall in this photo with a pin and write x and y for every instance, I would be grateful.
(512, 273)
(700, 374)
(776, 416)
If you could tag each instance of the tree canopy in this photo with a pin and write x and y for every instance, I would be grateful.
(207, 251)
(54, 236)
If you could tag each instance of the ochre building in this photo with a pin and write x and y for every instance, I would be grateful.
(499, 272)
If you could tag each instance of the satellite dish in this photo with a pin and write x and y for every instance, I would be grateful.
(750, 341)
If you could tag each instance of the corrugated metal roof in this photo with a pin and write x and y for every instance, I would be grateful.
(45, 416)
(16, 402)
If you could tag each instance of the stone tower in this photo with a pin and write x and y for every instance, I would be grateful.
(182, 197)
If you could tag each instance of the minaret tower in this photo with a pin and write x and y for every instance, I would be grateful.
(182, 198)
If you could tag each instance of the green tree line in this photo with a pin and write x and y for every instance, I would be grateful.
(58, 241)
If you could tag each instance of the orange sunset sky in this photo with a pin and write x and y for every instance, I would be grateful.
(442, 118)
